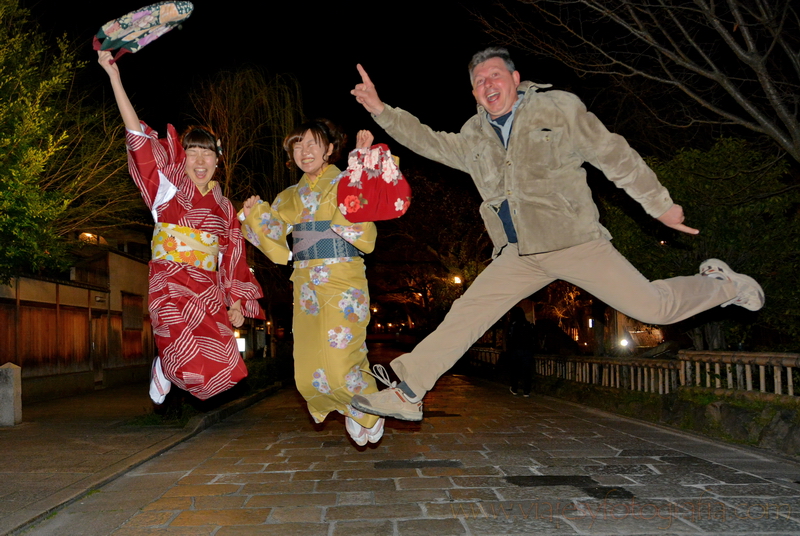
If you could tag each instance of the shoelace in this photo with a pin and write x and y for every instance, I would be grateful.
(381, 374)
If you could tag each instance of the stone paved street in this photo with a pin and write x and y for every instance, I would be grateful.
(482, 462)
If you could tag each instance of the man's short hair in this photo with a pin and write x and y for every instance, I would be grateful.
(487, 54)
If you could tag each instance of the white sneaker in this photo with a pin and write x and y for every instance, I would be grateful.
(159, 385)
(749, 293)
(375, 433)
(356, 431)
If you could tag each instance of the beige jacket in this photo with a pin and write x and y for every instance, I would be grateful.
(540, 173)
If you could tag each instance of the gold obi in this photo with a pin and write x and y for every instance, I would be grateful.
(183, 244)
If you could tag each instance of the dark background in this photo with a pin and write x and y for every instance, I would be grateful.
(415, 51)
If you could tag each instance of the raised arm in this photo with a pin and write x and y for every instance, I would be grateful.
(129, 116)
(366, 94)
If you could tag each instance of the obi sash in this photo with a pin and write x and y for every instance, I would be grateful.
(185, 245)
(316, 240)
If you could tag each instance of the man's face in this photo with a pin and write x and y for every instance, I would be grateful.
(495, 87)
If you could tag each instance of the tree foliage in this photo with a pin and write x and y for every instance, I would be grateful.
(747, 215)
(735, 62)
(59, 170)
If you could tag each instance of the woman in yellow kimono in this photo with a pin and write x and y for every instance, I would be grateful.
(331, 300)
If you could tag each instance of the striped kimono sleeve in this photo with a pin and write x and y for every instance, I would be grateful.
(156, 166)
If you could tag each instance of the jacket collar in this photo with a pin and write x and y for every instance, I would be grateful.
(525, 86)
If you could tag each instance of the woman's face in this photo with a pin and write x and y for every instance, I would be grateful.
(200, 166)
(310, 155)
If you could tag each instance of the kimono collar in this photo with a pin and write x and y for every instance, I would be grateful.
(211, 185)
(329, 172)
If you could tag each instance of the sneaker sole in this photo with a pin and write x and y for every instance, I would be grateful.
(710, 264)
(416, 416)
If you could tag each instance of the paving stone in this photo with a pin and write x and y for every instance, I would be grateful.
(100, 522)
(282, 529)
(311, 475)
(382, 511)
(172, 503)
(375, 473)
(620, 470)
(169, 531)
(355, 485)
(481, 481)
(722, 520)
(278, 487)
(150, 519)
(291, 499)
(566, 470)
(113, 500)
(410, 496)
(614, 480)
(486, 470)
(426, 527)
(418, 464)
(424, 483)
(473, 494)
(364, 528)
(750, 490)
(666, 490)
(677, 477)
(356, 497)
(199, 491)
(338, 465)
(254, 516)
(300, 514)
(219, 503)
(534, 481)
(129, 482)
(496, 526)
(548, 494)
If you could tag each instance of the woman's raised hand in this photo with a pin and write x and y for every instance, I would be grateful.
(106, 61)
(364, 139)
(249, 203)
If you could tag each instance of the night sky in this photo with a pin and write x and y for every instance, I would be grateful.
(417, 59)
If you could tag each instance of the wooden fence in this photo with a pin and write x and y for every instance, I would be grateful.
(769, 374)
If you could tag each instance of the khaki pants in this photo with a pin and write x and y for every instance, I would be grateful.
(596, 267)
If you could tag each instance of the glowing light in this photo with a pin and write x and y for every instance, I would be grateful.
(457, 280)
(591, 322)
(623, 342)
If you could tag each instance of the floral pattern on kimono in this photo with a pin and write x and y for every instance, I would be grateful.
(331, 310)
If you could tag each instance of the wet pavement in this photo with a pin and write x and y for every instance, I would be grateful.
(481, 462)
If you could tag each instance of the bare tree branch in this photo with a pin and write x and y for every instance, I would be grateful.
(739, 60)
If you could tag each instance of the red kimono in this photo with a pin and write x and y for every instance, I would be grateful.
(190, 290)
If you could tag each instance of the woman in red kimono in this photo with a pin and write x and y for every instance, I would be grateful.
(200, 283)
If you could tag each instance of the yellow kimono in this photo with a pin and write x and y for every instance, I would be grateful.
(331, 300)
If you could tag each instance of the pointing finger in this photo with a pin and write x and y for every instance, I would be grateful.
(685, 229)
(364, 75)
